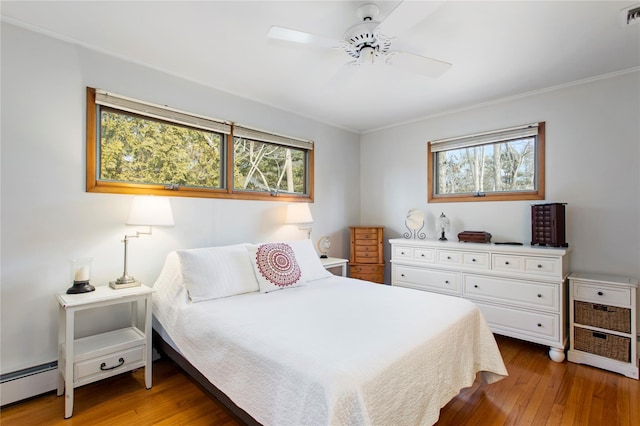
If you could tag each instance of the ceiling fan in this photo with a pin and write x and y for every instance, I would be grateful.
(371, 42)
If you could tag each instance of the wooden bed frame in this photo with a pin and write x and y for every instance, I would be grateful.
(166, 349)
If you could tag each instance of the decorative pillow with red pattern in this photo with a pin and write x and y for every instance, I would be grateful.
(275, 266)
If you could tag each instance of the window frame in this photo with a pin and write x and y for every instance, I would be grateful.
(93, 184)
(538, 194)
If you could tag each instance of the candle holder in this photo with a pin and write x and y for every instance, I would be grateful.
(80, 275)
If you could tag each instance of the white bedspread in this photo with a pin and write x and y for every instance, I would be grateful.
(335, 351)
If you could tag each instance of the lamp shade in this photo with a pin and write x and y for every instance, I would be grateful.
(150, 211)
(298, 213)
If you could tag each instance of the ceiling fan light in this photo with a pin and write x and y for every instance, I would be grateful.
(367, 55)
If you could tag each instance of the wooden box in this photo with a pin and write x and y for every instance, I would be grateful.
(474, 237)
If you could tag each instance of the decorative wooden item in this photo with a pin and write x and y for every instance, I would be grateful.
(366, 260)
(474, 237)
(548, 225)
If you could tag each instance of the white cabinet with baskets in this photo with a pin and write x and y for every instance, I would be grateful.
(603, 322)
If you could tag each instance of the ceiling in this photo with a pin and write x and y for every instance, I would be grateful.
(498, 50)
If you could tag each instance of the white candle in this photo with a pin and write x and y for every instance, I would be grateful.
(82, 274)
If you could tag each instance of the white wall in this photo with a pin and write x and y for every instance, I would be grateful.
(592, 163)
(48, 218)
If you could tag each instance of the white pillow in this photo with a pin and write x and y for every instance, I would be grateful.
(308, 259)
(214, 272)
(275, 266)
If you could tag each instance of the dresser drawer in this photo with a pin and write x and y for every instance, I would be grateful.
(540, 266)
(109, 364)
(424, 255)
(402, 252)
(507, 263)
(512, 292)
(517, 323)
(427, 279)
(449, 257)
(547, 266)
(475, 260)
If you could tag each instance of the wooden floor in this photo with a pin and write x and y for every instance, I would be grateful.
(538, 391)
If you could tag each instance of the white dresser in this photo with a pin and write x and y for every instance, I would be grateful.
(521, 290)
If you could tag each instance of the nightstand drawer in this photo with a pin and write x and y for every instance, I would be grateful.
(602, 294)
(109, 364)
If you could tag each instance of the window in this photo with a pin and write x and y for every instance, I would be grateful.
(271, 163)
(134, 147)
(502, 165)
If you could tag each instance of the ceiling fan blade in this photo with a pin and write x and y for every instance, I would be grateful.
(406, 16)
(417, 64)
(295, 36)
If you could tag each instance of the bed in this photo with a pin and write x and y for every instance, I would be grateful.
(281, 341)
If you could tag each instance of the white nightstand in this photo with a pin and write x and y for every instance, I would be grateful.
(87, 359)
(334, 262)
(603, 322)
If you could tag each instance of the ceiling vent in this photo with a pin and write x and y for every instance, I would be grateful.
(630, 15)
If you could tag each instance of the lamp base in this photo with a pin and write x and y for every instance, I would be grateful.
(80, 287)
(116, 285)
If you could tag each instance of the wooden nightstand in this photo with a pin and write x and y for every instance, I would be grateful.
(91, 358)
(334, 262)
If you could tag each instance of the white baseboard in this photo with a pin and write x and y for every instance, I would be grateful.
(27, 386)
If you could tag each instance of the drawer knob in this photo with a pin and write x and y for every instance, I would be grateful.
(539, 325)
(600, 293)
(446, 281)
(401, 252)
(449, 257)
(104, 367)
(402, 275)
(539, 295)
(475, 286)
(473, 260)
(539, 266)
(506, 263)
(422, 255)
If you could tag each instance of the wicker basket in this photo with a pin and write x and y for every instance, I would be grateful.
(603, 316)
(603, 344)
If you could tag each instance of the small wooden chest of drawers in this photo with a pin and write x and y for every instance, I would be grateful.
(603, 322)
(366, 261)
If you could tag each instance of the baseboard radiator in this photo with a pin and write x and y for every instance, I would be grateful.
(28, 383)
